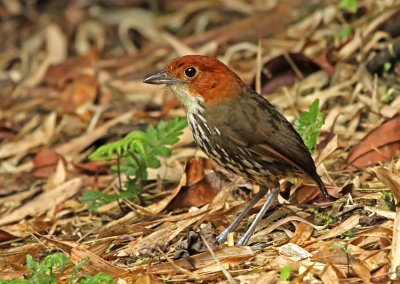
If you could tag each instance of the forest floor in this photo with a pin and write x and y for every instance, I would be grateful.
(71, 80)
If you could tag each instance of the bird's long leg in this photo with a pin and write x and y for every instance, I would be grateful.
(273, 195)
(222, 237)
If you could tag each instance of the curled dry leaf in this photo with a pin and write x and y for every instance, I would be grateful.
(378, 146)
(45, 163)
(197, 190)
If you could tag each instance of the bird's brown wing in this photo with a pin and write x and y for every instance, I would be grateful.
(255, 124)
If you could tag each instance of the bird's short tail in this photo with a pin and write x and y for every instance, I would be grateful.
(322, 187)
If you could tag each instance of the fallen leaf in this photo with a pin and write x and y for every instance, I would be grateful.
(330, 274)
(342, 228)
(98, 167)
(45, 163)
(205, 263)
(81, 90)
(379, 145)
(396, 245)
(302, 234)
(44, 201)
(284, 70)
(147, 279)
(195, 189)
(97, 264)
(380, 275)
(293, 250)
(70, 69)
(361, 270)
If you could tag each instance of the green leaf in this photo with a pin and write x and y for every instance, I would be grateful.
(387, 66)
(308, 125)
(137, 151)
(285, 272)
(99, 278)
(96, 198)
(162, 151)
(343, 33)
(75, 269)
(349, 5)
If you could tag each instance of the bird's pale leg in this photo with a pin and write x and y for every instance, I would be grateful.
(222, 237)
(271, 198)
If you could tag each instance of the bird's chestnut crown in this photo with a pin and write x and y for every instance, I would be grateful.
(206, 77)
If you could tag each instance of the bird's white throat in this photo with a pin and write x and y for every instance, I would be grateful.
(192, 104)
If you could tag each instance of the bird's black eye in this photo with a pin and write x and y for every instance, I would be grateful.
(190, 72)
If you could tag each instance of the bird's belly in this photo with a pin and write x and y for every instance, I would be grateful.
(234, 158)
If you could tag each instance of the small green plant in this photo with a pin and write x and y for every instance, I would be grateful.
(285, 272)
(52, 267)
(135, 153)
(388, 96)
(387, 66)
(99, 278)
(388, 198)
(348, 5)
(308, 125)
(44, 272)
(344, 32)
(328, 220)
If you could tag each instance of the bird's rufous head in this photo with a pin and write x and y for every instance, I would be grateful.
(199, 77)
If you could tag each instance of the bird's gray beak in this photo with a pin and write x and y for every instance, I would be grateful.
(160, 78)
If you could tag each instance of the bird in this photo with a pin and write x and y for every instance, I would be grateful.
(238, 129)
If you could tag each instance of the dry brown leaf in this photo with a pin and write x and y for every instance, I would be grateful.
(45, 163)
(205, 263)
(38, 137)
(147, 279)
(396, 245)
(81, 90)
(379, 145)
(17, 255)
(198, 190)
(300, 278)
(330, 274)
(98, 167)
(25, 229)
(293, 250)
(97, 264)
(342, 228)
(75, 146)
(331, 255)
(268, 277)
(361, 270)
(58, 75)
(380, 275)
(269, 229)
(44, 201)
(159, 238)
(302, 234)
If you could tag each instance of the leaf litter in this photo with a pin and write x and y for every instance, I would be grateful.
(71, 81)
